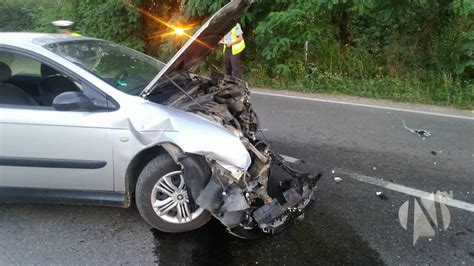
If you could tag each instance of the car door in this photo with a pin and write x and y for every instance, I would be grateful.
(43, 148)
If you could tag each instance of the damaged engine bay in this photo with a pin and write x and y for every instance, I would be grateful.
(247, 201)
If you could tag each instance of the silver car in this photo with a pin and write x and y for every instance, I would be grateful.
(87, 121)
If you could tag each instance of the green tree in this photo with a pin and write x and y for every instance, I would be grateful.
(111, 20)
(15, 17)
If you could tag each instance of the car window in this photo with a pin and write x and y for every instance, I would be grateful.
(125, 69)
(20, 64)
(27, 81)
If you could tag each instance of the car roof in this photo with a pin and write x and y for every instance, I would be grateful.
(22, 39)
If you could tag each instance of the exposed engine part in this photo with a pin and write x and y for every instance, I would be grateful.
(184, 92)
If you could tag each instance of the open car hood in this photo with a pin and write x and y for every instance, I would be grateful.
(202, 42)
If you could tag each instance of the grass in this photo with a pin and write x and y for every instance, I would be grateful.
(441, 89)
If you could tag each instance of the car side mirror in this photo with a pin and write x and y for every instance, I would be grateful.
(73, 101)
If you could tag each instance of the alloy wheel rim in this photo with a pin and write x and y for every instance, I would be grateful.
(170, 200)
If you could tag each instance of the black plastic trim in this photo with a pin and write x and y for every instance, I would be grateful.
(51, 163)
(62, 196)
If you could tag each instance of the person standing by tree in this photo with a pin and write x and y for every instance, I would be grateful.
(234, 44)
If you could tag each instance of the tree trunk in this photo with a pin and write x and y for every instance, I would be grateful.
(344, 32)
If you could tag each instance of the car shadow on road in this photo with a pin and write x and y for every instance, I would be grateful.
(320, 239)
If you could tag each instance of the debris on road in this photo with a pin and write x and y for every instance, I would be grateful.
(433, 152)
(374, 168)
(419, 132)
(337, 179)
(381, 195)
(291, 159)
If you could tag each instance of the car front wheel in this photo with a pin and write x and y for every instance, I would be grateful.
(163, 199)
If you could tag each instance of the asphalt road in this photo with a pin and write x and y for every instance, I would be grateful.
(347, 224)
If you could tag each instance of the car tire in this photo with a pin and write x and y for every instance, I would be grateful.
(159, 187)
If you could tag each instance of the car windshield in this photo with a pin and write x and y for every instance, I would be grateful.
(125, 69)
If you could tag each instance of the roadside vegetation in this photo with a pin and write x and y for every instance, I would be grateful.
(418, 51)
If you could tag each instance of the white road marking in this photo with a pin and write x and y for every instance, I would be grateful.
(407, 190)
(363, 105)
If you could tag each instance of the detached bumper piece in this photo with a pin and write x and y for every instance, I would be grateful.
(245, 207)
(275, 217)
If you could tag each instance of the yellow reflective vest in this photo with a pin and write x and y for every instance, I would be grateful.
(238, 47)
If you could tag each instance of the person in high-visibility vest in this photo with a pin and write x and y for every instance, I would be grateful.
(234, 44)
(65, 27)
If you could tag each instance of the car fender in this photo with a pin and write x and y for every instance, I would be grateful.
(191, 133)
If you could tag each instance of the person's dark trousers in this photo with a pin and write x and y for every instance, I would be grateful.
(232, 64)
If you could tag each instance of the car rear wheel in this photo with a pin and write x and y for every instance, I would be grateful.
(163, 199)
